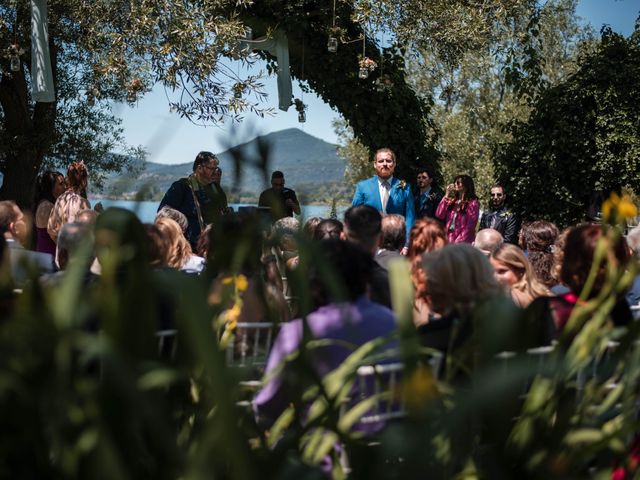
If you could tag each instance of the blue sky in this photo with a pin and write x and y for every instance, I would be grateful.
(170, 139)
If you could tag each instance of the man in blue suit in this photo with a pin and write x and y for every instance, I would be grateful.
(386, 193)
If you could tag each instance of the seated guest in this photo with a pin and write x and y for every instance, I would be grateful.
(427, 235)
(71, 240)
(310, 225)
(159, 246)
(71, 201)
(459, 277)
(347, 315)
(579, 250)
(238, 252)
(328, 228)
(487, 240)
(633, 241)
(537, 240)
(15, 229)
(180, 255)
(513, 271)
(392, 240)
(87, 217)
(362, 227)
(175, 215)
(49, 187)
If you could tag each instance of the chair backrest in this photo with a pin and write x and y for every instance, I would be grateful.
(167, 344)
(383, 382)
(251, 344)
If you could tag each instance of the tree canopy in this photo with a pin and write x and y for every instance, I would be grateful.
(583, 136)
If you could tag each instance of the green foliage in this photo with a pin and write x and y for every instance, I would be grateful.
(581, 137)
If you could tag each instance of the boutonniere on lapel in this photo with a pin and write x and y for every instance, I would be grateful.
(401, 185)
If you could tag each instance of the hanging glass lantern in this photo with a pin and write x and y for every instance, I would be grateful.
(237, 94)
(332, 45)
(91, 100)
(131, 97)
(15, 63)
(363, 73)
(302, 117)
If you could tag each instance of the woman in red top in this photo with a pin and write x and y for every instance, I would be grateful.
(459, 210)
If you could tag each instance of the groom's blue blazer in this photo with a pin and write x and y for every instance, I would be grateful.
(400, 199)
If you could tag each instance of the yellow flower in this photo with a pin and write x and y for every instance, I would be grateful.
(419, 387)
(227, 280)
(616, 209)
(233, 313)
(241, 283)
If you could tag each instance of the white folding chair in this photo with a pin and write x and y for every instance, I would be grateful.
(251, 344)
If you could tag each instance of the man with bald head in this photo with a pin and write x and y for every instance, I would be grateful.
(488, 239)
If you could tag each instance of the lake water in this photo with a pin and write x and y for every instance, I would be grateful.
(146, 211)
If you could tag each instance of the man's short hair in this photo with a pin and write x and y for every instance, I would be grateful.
(8, 214)
(202, 158)
(277, 174)
(394, 232)
(71, 237)
(487, 240)
(175, 215)
(424, 170)
(384, 150)
(363, 224)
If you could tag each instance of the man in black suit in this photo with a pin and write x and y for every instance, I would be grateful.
(427, 196)
(500, 217)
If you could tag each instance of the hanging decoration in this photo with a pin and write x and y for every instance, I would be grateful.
(366, 65)
(92, 94)
(300, 108)
(332, 43)
(238, 89)
(134, 87)
(14, 57)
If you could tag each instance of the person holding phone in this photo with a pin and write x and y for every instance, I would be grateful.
(459, 210)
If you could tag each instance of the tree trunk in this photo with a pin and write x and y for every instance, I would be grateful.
(29, 133)
(20, 175)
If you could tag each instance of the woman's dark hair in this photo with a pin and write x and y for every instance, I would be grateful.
(579, 250)
(44, 187)
(237, 241)
(469, 187)
(538, 239)
(328, 228)
(310, 226)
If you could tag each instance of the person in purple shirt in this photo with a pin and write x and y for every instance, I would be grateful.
(344, 314)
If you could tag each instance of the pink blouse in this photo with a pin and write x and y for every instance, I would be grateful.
(460, 219)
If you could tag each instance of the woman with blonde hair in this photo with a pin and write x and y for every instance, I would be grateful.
(180, 255)
(459, 279)
(72, 201)
(514, 272)
(426, 236)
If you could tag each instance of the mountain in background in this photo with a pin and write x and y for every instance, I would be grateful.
(310, 165)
